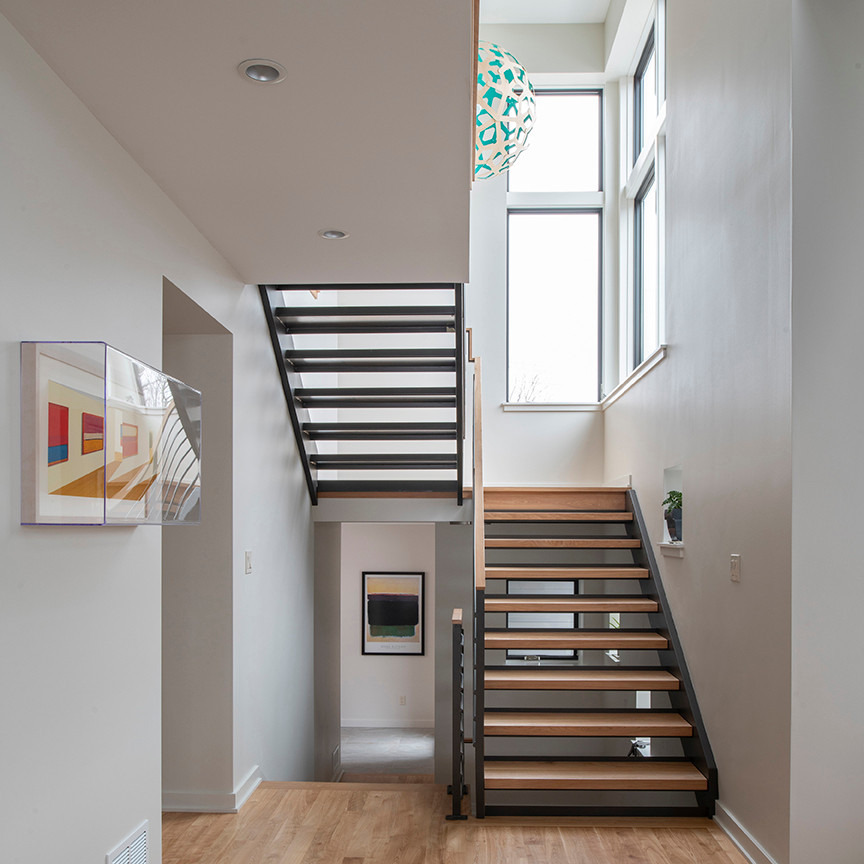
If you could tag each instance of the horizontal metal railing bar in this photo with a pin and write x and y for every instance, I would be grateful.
(350, 426)
(366, 286)
(367, 353)
(390, 485)
(312, 366)
(377, 402)
(374, 325)
(361, 392)
(283, 312)
(385, 466)
(378, 434)
(348, 458)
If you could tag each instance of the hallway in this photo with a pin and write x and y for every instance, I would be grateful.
(391, 753)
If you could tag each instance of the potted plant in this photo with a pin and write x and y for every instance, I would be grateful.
(672, 505)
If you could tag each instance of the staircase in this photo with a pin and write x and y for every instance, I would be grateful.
(414, 365)
(579, 673)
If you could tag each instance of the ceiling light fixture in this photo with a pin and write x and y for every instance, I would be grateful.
(333, 234)
(505, 111)
(262, 71)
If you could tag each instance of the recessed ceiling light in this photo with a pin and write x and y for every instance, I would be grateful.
(333, 234)
(262, 71)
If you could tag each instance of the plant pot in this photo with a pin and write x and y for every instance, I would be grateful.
(673, 523)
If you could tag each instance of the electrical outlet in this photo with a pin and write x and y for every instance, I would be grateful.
(248, 564)
(735, 567)
(403, 700)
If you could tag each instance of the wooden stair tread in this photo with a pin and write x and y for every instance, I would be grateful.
(630, 774)
(557, 516)
(606, 640)
(574, 573)
(587, 724)
(562, 543)
(555, 498)
(607, 603)
(580, 679)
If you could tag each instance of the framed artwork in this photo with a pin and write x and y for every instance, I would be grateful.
(139, 457)
(394, 613)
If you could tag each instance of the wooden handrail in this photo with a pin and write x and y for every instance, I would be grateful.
(479, 510)
(457, 616)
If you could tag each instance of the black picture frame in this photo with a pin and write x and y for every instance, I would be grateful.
(396, 611)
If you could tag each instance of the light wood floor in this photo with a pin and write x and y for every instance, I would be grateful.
(347, 823)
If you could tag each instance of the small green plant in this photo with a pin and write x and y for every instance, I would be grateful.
(674, 500)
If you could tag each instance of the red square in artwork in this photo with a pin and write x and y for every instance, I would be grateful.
(58, 433)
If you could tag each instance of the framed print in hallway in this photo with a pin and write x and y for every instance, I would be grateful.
(394, 613)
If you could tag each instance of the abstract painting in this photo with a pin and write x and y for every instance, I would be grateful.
(58, 433)
(92, 433)
(393, 613)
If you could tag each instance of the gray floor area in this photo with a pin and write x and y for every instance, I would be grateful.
(388, 751)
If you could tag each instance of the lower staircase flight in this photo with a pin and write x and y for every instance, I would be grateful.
(583, 702)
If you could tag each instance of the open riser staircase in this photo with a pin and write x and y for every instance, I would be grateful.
(374, 389)
(579, 672)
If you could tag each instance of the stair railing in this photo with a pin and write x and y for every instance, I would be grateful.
(479, 597)
(457, 787)
(281, 340)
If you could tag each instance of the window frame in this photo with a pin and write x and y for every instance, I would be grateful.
(561, 203)
(641, 161)
(639, 89)
(638, 310)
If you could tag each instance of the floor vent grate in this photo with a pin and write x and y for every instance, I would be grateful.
(133, 850)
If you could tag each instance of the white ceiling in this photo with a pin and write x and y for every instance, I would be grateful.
(543, 11)
(370, 133)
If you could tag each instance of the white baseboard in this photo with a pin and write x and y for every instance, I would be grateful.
(212, 802)
(753, 850)
(247, 787)
(387, 724)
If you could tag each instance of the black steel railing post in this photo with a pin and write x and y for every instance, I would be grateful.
(459, 291)
(457, 786)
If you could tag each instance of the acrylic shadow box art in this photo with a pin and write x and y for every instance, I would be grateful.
(106, 439)
(394, 612)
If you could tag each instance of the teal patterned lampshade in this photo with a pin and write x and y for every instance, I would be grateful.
(505, 111)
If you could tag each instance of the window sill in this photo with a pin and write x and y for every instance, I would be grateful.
(637, 374)
(551, 406)
(672, 550)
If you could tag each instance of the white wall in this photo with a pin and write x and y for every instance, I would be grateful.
(197, 647)
(371, 683)
(519, 448)
(720, 404)
(87, 238)
(551, 47)
(827, 423)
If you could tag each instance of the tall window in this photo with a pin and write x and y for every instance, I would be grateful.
(644, 187)
(554, 261)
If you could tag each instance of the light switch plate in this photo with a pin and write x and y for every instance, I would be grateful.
(735, 567)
